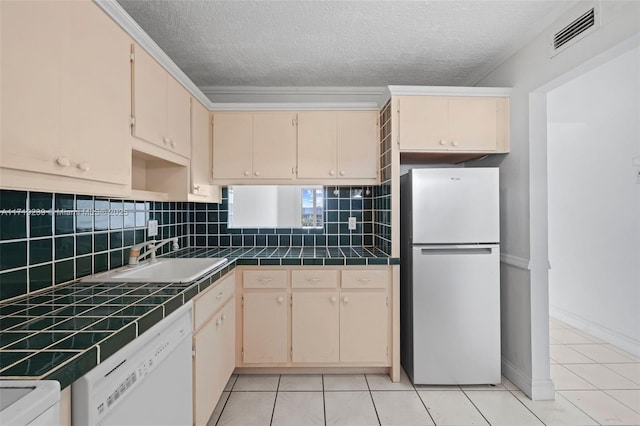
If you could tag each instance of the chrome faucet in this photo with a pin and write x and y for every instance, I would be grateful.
(152, 246)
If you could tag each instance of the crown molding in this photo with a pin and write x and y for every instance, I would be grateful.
(131, 27)
(294, 106)
(232, 97)
(446, 91)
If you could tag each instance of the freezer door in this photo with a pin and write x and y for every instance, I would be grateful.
(455, 206)
(456, 315)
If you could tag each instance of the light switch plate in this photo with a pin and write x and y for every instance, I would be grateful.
(352, 223)
(152, 228)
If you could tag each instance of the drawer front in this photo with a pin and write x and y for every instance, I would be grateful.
(212, 299)
(314, 278)
(265, 279)
(363, 278)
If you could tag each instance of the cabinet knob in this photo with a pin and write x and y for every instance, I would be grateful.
(172, 143)
(246, 173)
(345, 299)
(443, 142)
(196, 188)
(219, 296)
(84, 166)
(342, 173)
(332, 172)
(257, 173)
(455, 143)
(333, 299)
(165, 140)
(223, 317)
(280, 299)
(218, 321)
(63, 161)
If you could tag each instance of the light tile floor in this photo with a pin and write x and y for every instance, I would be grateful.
(596, 384)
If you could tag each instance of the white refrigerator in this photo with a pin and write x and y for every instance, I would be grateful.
(450, 276)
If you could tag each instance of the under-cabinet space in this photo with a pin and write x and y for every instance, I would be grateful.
(157, 179)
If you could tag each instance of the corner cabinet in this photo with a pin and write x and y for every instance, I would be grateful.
(213, 346)
(160, 105)
(251, 146)
(65, 99)
(315, 317)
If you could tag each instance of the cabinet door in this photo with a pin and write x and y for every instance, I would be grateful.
(178, 118)
(95, 98)
(358, 144)
(265, 317)
(364, 323)
(214, 361)
(201, 149)
(149, 99)
(274, 145)
(423, 123)
(32, 41)
(232, 145)
(315, 327)
(473, 123)
(317, 142)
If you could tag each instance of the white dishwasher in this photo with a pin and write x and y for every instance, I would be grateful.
(147, 382)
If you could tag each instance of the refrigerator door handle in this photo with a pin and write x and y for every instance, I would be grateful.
(456, 251)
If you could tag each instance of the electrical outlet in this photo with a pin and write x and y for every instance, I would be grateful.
(352, 223)
(152, 228)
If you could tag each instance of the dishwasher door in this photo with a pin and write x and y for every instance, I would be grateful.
(147, 382)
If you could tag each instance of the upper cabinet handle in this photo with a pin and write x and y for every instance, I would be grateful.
(443, 142)
(63, 161)
(84, 166)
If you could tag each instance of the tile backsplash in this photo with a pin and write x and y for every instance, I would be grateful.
(48, 239)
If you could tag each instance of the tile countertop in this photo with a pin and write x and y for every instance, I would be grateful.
(64, 332)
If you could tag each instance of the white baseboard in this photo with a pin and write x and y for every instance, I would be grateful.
(610, 336)
(537, 390)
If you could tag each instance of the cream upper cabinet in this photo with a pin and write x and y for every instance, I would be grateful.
(71, 62)
(338, 144)
(254, 145)
(358, 144)
(201, 156)
(317, 144)
(232, 145)
(315, 326)
(161, 106)
(452, 123)
(274, 145)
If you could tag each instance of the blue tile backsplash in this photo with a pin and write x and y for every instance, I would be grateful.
(48, 239)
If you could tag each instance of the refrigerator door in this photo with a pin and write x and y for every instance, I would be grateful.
(456, 314)
(455, 206)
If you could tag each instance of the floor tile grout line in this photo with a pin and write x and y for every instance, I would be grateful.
(324, 404)
(529, 409)
(375, 409)
(635, 410)
(275, 400)
(579, 409)
(423, 404)
(223, 407)
(475, 406)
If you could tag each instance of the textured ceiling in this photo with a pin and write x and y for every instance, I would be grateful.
(340, 43)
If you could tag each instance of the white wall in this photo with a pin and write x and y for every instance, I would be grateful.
(594, 201)
(523, 176)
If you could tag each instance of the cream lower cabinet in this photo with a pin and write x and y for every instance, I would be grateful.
(315, 326)
(213, 346)
(339, 317)
(265, 316)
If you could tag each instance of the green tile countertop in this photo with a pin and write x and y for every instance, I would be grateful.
(64, 332)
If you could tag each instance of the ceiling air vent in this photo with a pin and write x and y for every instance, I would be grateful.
(575, 30)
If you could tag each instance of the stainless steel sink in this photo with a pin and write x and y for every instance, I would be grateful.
(161, 271)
